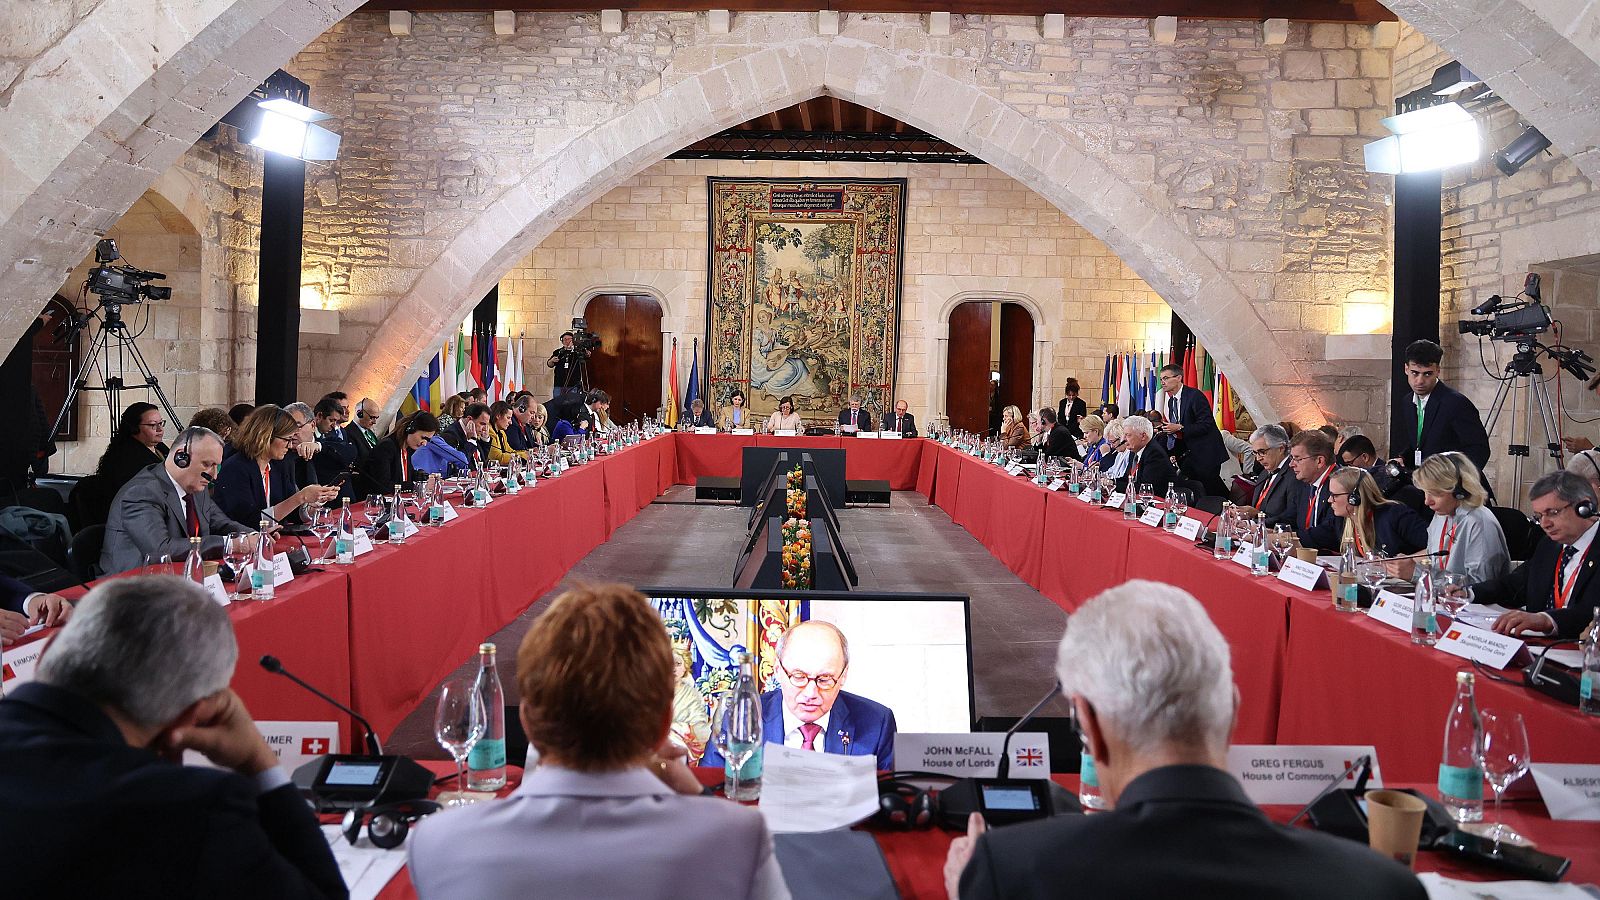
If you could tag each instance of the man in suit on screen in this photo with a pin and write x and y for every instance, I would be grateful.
(810, 711)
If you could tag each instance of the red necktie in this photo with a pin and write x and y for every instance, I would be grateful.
(191, 515)
(809, 731)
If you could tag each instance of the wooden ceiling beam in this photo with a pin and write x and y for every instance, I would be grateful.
(1352, 11)
(805, 116)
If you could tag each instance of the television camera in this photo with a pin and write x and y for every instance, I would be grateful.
(124, 283)
(582, 338)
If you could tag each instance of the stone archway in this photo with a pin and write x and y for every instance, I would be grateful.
(1048, 160)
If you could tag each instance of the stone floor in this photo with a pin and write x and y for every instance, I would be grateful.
(908, 546)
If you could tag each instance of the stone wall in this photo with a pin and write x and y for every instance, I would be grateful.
(971, 232)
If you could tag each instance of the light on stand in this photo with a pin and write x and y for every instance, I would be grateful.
(287, 128)
(1425, 140)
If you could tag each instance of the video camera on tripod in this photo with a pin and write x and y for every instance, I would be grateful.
(124, 283)
(582, 338)
(1516, 321)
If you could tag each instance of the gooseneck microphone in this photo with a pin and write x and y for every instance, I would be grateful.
(1005, 745)
(271, 664)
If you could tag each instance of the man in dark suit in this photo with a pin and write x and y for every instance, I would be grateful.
(1161, 762)
(1437, 418)
(1275, 489)
(572, 407)
(466, 434)
(1543, 600)
(853, 419)
(1311, 459)
(1189, 433)
(363, 431)
(335, 452)
(902, 421)
(164, 505)
(89, 758)
(699, 416)
(1147, 463)
(810, 711)
(22, 607)
(1059, 441)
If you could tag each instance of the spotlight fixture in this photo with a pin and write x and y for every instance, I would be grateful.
(1452, 78)
(1525, 146)
(1425, 140)
(287, 128)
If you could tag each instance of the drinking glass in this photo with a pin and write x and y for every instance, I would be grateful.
(1452, 592)
(157, 564)
(1147, 496)
(236, 552)
(1503, 754)
(1180, 502)
(1282, 543)
(458, 724)
(1371, 572)
(376, 506)
(322, 527)
(738, 737)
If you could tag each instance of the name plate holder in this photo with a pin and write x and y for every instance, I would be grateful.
(743, 431)
(1391, 609)
(1115, 501)
(888, 435)
(705, 429)
(363, 542)
(217, 590)
(1571, 792)
(974, 755)
(1281, 773)
(1241, 557)
(1467, 642)
(1303, 575)
(1188, 529)
(282, 572)
(1152, 516)
(784, 432)
(867, 434)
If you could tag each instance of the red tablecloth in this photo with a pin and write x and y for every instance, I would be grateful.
(1085, 550)
(307, 628)
(928, 467)
(1352, 680)
(894, 461)
(979, 481)
(717, 455)
(1016, 525)
(820, 442)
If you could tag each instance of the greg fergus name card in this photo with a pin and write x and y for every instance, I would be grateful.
(1272, 773)
(972, 755)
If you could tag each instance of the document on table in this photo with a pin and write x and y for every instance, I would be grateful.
(366, 869)
(802, 790)
(1442, 888)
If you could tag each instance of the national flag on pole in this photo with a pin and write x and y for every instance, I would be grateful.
(507, 377)
(410, 405)
(1208, 375)
(1225, 394)
(1191, 372)
(434, 400)
(447, 371)
(1105, 381)
(522, 361)
(475, 362)
(464, 380)
(491, 383)
(694, 376)
(671, 413)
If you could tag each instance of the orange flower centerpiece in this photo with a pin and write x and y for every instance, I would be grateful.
(797, 554)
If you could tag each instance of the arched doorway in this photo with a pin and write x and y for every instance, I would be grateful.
(628, 364)
(990, 363)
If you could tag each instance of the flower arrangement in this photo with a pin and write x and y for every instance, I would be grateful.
(797, 554)
(797, 478)
(796, 503)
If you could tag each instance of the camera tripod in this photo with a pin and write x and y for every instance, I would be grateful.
(112, 343)
(1523, 378)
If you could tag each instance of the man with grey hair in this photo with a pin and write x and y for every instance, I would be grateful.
(1556, 589)
(363, 430)
(159, 509)
(810, 710)
(89, 758)
(1147, 463)
(853, 419)
(1274, 493)
(1149, 679)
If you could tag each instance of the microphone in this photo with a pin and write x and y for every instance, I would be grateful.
(271, 664)
(1005, 745)
(1003, 800)
(1420, 555)
(208, 477)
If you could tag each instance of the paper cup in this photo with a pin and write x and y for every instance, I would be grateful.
(1306, 554)
(1394, 824)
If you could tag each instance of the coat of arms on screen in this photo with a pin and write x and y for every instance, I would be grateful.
(804, 291)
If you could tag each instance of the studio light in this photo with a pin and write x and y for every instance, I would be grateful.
(1425, 140)
(1452, 78)
(287, 128)
(1525, 146)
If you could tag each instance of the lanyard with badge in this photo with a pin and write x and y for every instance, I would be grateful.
(1447, 539)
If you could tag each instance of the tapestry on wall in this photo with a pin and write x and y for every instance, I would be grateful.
(803, 298)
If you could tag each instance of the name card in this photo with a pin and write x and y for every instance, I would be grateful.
(1391, 609)
(450, 513)
(217, 590)
(1014, 469)
(282, 572)
(1467, 642)
(18, 662)
(297, 743)
(1242, 555)
(867, 434)
(973, 755)
(784, 432)
(745, 431)
(705, 429)
(1571, 792)
(1273, 773)
(1084, 496)
(363, 542)
(1116, 500)
(1188, 529)
(1152, 516)
(1056, 485)
(890, 435)
(1307, 576)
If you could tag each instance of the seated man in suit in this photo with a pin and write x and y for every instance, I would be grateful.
(810, 711)
(89, 758)
(1311, 459)
(1542, 599)
(853, 419)
(1275, 490)
(363, 431)
(22, 607)
(1059, 440)
(163, 506)
(1147, 463)
(467, 434)
(1149, 679)
(902, 421)
(335, 452)
(699, 416)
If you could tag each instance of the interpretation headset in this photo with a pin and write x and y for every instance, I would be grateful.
(903, 805)
(390, 823)
(411, 424)
(182, 458)
(1459, 491)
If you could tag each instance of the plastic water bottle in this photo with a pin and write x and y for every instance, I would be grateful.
(344, 542)
(486, 763)
(1346, 593)
(194, 567)
(1089, 796)
(263, 576)
(1169, 519)
(1460, 777)
(740, 737)
(398, 520)
(1424, 619)
(1261, 553)
(1589, 683)
(1223, 547)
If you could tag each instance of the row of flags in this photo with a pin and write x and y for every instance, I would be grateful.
(464, 363)
(1131, 380)
(679, 401)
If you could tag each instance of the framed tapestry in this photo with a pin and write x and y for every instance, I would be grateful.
(803, 293)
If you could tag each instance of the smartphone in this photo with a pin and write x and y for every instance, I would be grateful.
(1521, 861)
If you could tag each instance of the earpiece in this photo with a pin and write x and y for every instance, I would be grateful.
(1354, 499)
(411, 425)
(1584, 509)
(182, 458)
(390, 823)
(903, 805)
(1459, 491)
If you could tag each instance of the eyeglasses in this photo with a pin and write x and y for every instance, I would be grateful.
(153, 424)
(1538, 518)
(799, 680)
(1260, 454)
(366, 415)
(1297, 460)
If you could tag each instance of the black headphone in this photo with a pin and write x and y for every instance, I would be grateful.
(390, 823)
(904, 806)
(1459, 491)
(1354, 499)
(411, 424)
(182, 458)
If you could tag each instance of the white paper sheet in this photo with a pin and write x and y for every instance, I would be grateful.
(366, 869)
(806, 791)
(1442, 888)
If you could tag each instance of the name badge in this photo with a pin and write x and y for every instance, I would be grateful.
(1304, 575)
(743, 431)
(1152, 516)
(973, 755)
(450, 513)
(282, 572)
(1416, 462)
(1467, 642)
(217, 590)
(363, 542)
(1392, 609)
(1242, 555)
(1188, 529)
(1571, 792)
(1278, 773)
(1115, 501)
(18, 662)
(297, 743)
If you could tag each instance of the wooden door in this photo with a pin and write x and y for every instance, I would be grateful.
(966, 398)
(55, 365)
(628, 363)
(1016, 357)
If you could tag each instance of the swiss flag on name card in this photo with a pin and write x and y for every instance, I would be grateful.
(313, 746)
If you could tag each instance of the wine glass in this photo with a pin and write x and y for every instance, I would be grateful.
(1147, 496)
(1181, 499)
(158, 564)
(236, 552)
(738, 737)
(1452, 591)
(1282, 543)
(1503, 754)
(458, 724)
(322, 527)
(375, 507)
(1371, 572)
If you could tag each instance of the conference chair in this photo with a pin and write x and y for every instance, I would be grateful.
(1521, 534)
(83, 554)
